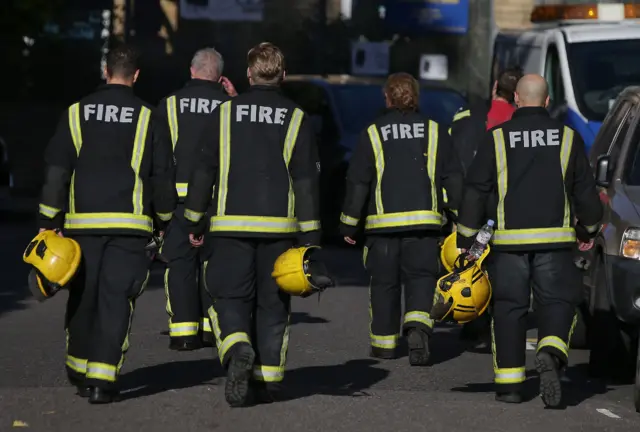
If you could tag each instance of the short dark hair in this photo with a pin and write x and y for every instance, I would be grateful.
(122, 61)
(507, 82)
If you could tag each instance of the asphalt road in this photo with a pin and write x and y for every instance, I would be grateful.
(333, 384)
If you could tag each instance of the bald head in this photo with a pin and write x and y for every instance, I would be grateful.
(207, 65)
(532, 91)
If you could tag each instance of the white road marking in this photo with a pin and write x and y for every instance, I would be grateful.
(608, 413)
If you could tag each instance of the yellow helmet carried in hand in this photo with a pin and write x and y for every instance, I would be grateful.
(55, 261)
(297, 272)
(449, 253)
(464, 293)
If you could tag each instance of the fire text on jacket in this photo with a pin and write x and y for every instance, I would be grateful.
(108, 113)
(536, 138)
(260, 114)
(402, 131)
(198, 105)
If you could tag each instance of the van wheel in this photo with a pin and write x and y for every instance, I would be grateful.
(612, 343)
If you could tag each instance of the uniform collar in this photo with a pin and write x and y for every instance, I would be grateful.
(530, 111)
(115, 87)
(262, 87)
(195, 82)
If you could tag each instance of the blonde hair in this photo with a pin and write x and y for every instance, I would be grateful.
(402, 91)
(266, 63)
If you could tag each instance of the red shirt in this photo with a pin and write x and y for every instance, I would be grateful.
(499, 113)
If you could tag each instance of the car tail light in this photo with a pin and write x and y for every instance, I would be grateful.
(630, 247)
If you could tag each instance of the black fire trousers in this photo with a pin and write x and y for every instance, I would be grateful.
(248, 306)
(555, 281)
(391, 261)
(113, 273)
(187, 300)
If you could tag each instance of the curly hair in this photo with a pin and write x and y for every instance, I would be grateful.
(402, 91)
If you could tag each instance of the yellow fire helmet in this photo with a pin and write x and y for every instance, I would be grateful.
(464, 293)
(297, 272)
(55, 261)
(449, 253)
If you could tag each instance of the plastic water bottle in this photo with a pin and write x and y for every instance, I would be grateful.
(482, 240)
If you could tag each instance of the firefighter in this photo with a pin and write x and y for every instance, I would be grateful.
(107, 153)
(467, 125)
(536, 171)
(471, 121)
(401, 164)
(260, 153)
(187, 111)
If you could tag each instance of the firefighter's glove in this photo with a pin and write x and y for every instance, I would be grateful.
(198, 229)
(583, 235)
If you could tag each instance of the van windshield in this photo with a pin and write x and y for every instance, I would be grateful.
(600, 71)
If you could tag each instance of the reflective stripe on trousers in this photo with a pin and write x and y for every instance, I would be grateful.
(108, 221)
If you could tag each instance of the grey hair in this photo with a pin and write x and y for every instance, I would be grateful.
(208, 64)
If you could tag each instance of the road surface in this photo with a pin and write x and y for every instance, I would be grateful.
(333, 384)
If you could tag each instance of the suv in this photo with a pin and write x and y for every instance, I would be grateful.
(613, 280)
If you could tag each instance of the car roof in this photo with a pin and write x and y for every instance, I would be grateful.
(358, 80)
(602, 32)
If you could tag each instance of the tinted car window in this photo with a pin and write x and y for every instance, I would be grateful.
(632, 169)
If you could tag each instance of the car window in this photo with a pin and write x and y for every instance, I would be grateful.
(553, 75)
(314, 100)
(618, 140)
(609, 130)
(632, 166)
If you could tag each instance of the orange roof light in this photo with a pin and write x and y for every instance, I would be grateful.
(564, 12)
(548, 13)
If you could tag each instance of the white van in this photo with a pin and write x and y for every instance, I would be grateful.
(587, 53)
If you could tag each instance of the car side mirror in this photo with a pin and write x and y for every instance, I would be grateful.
(602, 171)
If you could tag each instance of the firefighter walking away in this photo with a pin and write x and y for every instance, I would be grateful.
(186, 112)
(401, 165)
(108, 153)
(261, 155)
(535, 171)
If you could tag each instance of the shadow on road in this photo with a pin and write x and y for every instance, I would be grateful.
(16, 230)
(576, 388)
(150, 380)
(305, 318)
(352, 379)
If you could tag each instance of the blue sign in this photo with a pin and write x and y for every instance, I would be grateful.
(420, 16)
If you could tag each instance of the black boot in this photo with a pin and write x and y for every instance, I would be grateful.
(509, 397)
(418, 342)
(266, 393)
(383, 353)
(102, 396)
(236, 390)
(548, 366)
(185, 344)
(82, 389)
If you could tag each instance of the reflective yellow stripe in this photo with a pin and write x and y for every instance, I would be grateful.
(306, 226)
(461, 115)
(389, 220)
(76, 364)
(182, 189)
(348, 220)
(534, 236)
(108, 221)
(230, 341)
(217, 333)
(225, 150)
(554, 342)
(48, 211)
(376, 144)
(386, 342)
(261, 224)
(172, 117)
(183, 329)
(501, 166)
(136, 158)
(102, 371)
(565, 152)
(165, 217)
(509, 375)
(76, 136)
(268, 373)
(432, 156)
(449, 131)
(419, 317)
(287, 151)
(445, 197)
(466, 231)
(193, 216)
(206, 325)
